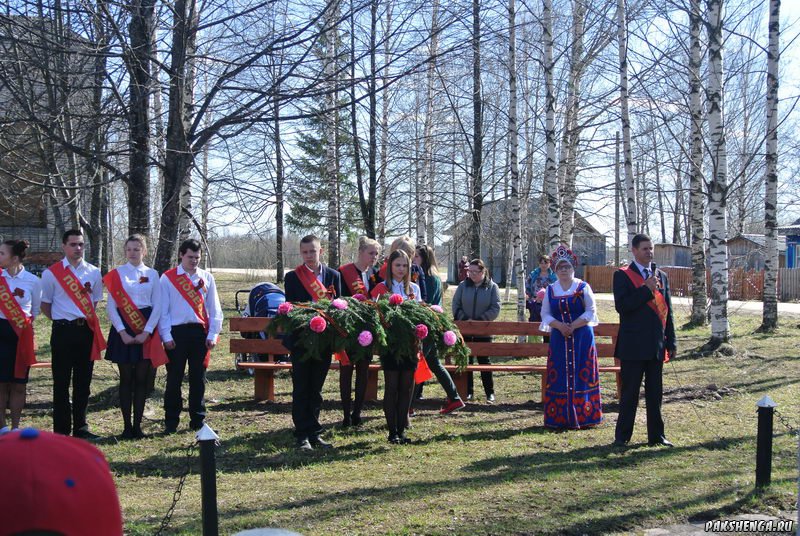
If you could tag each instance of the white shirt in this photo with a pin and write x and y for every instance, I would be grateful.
(643, 268)
(175, 310)
(63, 308)
(590, 315)
(144, 294)
(318, 275)
(31, 286)
(399, 288)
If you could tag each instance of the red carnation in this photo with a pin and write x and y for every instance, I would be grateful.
(200, 284)
(19, 292)
(395, 299)
(145, 279)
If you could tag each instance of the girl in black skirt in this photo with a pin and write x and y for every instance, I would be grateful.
(26, 290)
(125, 347)
(398, 375)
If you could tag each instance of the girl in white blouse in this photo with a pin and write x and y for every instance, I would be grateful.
(125, 346)
(26, 289)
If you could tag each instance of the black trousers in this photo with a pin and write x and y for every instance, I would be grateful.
(486, 377)
(190, 347)
(72, 350)
(631, 373)
(308, 377)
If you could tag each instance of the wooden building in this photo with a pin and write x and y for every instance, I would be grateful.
(791, 233)
(747, 251)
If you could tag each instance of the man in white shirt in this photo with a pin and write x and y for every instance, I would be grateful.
(75, 345)
(191, 319)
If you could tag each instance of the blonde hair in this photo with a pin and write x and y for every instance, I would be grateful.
(399, 254)
(428, 260)
(365, 242)
(137, 238)
(404, 243)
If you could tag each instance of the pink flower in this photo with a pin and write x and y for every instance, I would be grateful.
(284, 308)
(449, 338)
(339, 303)
(395, 299)
(359, 297)
(365, 338)
(437, 308)
(540, 295)
(318, 324)
(422, 331)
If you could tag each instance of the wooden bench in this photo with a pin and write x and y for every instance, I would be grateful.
(264, 372)
(43, 364)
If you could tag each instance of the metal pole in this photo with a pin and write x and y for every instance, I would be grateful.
(766, 410)
(208, 480)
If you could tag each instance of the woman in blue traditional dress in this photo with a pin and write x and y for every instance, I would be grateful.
(572, 394)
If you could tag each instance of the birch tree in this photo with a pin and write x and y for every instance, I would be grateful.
(770, 315)
(550, 178)
(513, 145)
(718, 188)
(631, 218)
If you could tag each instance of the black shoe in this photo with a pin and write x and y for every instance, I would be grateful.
(356, 419)
(619, 443)
(170, 429)
(402, 439)
(664, 442)
(347, 421)
(138, 434)
(394, 438)
(196, 426)
(127, 433)
(304, 445)
(86, 435)
(319, 442)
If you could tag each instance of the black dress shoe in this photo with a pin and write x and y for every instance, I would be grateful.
(170, 429)
(346, 422)
(356, 419)
(304, 445)
(86, 435)
(664, 442)
(127, 433)
(402, 439)
(138, 434)
(394, 438)
(319, 442)
(196, 426)
(619, 443)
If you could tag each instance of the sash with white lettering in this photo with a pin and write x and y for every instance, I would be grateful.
(379, 290)
(153, 349)
(315, 289)
(195, 300)
(658, 304)
(22, 326)
(80, 296)
(353, 279)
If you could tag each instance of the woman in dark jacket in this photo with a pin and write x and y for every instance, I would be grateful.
(478, 298)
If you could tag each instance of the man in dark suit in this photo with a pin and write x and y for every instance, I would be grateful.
(311, 281)
(646, 340)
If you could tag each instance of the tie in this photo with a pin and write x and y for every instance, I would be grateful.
(647, 273)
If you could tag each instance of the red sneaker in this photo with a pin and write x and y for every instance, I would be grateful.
(451, 406)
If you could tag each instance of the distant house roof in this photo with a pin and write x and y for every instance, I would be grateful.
(792, 228)
(760, 240)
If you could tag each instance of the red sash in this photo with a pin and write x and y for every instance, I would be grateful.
(315, 289)
(80, 297)
(353, 279)
(379, 290)
(195, 300)
(22, 326)
(153, 348)
(658, 304)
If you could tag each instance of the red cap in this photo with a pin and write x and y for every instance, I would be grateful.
(56, 483)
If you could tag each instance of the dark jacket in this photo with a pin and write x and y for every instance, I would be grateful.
(476, 302)
(641, 335)
(296, 292)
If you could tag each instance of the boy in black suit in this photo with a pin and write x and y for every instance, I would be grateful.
(646, 340)
(311, 281)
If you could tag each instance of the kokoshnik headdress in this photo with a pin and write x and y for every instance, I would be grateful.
(562, 253)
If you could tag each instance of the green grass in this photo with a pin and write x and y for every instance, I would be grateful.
(486, 470)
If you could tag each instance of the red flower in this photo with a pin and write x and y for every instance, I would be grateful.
(331, 292)
(19, 292)
(145, 279)
(414, 277)
(421, 331)
(200, 284)
(318, 324)
(395, 299)
(87, 288)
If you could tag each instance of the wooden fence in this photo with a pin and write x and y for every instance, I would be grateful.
(742, 285)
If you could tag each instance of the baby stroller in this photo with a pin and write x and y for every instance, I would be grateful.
(262, 301)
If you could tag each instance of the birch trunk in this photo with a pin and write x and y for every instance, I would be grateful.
(550, 178)
(630, 189)
(477, 134)
(718, 191)
(428, 165)
(770, 316)
(699, 314)
(513, 145)
(382, 182)
(278, 193)
(331, 167)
